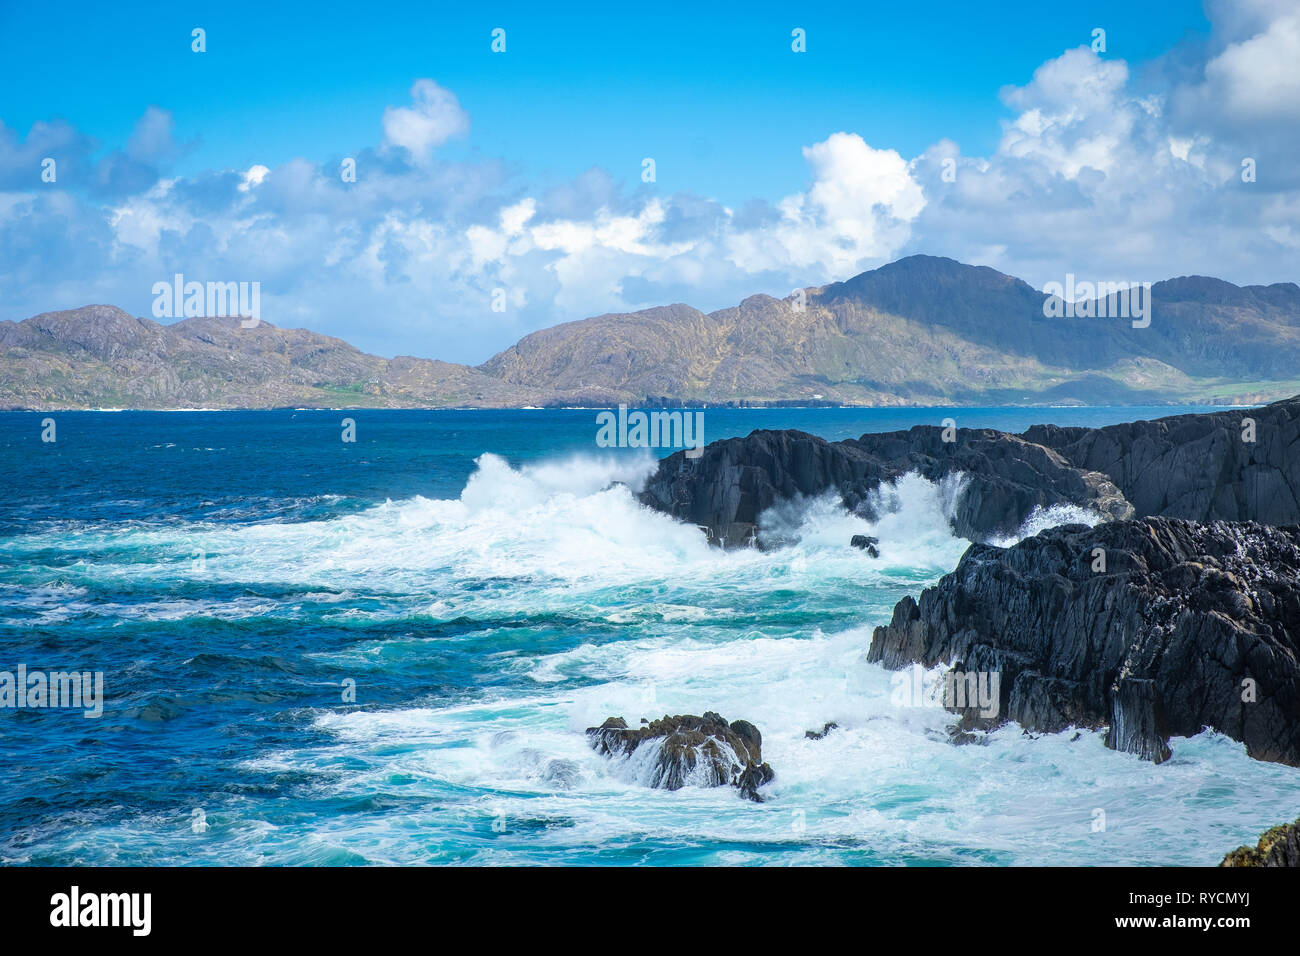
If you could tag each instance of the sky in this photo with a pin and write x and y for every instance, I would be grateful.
(497, 193)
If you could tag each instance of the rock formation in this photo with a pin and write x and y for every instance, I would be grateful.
(734, 481)
(1280, 846)
(819, 734)
(1153, 628)
(1231, 465)
(701, 751)
(867, 543)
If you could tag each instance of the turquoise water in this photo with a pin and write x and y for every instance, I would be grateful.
(487, 592)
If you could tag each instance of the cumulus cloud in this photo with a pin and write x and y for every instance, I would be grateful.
(433, 118)
(1259, 77)
(1099, 173)
(21, 159)
(1103, 169)
(858, 209)
(152, 140)
(1074, 115)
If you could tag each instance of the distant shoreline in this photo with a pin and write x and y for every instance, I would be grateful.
(650, 405)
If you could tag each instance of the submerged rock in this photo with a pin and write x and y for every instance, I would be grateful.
(819, 734)
(1279, 846)
(1152, 628)
(700, 751)
(561, 774)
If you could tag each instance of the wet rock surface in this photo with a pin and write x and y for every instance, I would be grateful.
(734, 481)
(1216, 466)
(1151, 628)
(1279, 846)
(700, 751)
(819, 734)
(865, 542)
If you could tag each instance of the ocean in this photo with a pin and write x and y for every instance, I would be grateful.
(318, 652)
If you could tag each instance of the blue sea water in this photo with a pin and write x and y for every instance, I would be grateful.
(486, 590)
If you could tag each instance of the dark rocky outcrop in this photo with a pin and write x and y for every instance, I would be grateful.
(865, 542)
(734, 481)
(1280, 846)
(705, 751)
(1204, 467)
(1182, 626)
(1201, 467)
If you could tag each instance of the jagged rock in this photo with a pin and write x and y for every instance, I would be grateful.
(735, 480)
(701, 751)
(819, 734)
(1198, 466)
(1279, 846)
(751, 778)
(1188, 626)
(865, 543)
(1137, 720)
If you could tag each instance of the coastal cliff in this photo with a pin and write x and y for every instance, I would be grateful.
(1234, 465)
(1179, 611)
(1151, 628)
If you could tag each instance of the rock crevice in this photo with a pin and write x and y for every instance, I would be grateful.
(1151, 628)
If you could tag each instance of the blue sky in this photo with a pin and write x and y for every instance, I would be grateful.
(713, 93)
(773, 169)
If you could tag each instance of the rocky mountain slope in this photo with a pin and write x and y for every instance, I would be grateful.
(101, 357)
(926, 330)
(920, 331)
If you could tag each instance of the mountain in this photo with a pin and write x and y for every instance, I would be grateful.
(919, 331)
(101, 357)
(925, 330)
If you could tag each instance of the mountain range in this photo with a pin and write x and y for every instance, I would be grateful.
(919, 331)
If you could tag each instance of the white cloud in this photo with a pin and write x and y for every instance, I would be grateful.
(1260, 77)
(1075, 114)
(434, 118)
(1092, 174)
(152, 138)
(253, 177)
(856, 211)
